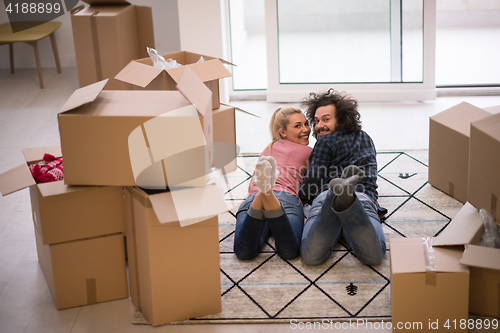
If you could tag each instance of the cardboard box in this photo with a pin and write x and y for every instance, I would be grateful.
(112, 137)
(449, 133)
(493, 109)
(143, 75)
(421, 296)
(84, 272)
(108, 35)
(174, 271)
(484, 165)
(484, 290)
(61, 213)
(78, 233)
(466, 230)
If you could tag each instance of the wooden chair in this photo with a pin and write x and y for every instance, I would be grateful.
(30, 36)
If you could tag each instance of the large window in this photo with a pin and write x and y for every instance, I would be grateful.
(376, 47)
(350, 41)
(467, 43)
(248, 44)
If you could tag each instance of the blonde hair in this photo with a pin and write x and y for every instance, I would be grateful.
(279, 120)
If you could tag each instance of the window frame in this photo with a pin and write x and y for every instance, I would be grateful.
(390, 91)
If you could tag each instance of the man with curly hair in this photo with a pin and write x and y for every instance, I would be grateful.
(341, 183)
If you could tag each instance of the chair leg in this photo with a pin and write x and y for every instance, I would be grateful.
(11, 54)
(37, 56)
(56, 54)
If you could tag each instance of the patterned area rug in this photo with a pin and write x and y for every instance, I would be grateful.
(269, 289)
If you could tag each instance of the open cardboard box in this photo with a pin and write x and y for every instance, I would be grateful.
(112, 137)
(449, 136)
(465, 230)
(427, 285)
(60, 212)
(174, 271)
(108, 35)
(78, 233)
(484, 165)
(142, 74)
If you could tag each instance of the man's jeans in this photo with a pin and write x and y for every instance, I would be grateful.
(251, 233)
(359, 224)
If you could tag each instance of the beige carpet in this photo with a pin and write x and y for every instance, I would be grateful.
(269, 289)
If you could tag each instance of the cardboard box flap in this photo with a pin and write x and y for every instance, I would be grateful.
(493, 109)
(240, 109)
(408, 256)
(489, 125)
(189, 58)
(207, 70)
(84, 95)
(58, 188)
(195, 91)
(139, 74)
(16, 179)
(188, 204)
(201, 97)
(33, 155)
(226, 62)
(20, 177)
(164, 207)
(460, 116)
(466, 227)
(106, 2)
(447, 259)
(404, 248)
(483, 257)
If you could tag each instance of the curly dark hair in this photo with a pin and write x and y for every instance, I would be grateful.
(346, 115)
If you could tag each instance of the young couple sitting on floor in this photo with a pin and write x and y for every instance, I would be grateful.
(337, 178)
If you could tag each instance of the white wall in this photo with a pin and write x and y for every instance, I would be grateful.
(200, 26)
(201, 31)
(166, 29)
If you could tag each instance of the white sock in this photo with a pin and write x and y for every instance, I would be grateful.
(265, 174)
(274, 172)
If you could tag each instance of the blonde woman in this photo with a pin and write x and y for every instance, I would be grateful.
(273, 206)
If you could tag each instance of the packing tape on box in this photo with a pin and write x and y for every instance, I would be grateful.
(91, 291)
(430, 262)
(498, 291)
(95, 40)
(494, 207)
(451, 189)
(134, 274)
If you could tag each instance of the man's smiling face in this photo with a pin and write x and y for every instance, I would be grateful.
(325, 121)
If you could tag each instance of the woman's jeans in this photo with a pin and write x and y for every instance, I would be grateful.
(251, 233)
(359, 224)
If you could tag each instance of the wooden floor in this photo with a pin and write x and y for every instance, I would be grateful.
(28, 118)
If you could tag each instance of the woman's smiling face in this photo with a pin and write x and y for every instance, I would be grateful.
(297, 130)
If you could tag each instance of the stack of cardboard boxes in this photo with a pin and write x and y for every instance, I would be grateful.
(79, 235)
(135, 165)
(450, 275)
(143, 75)
(112, 141)
(111, 41)
(128, 138)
